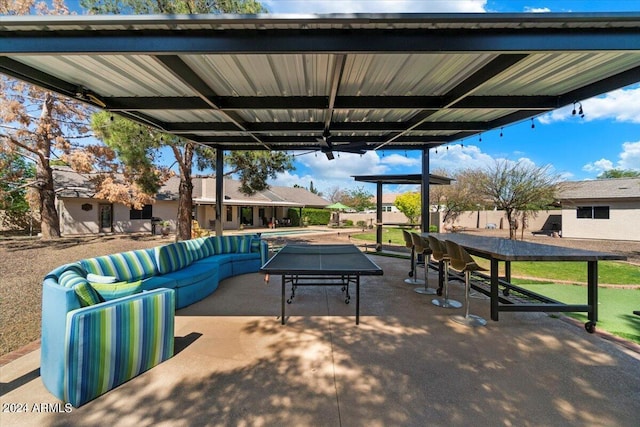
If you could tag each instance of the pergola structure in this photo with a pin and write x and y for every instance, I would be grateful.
(329, 83)
(408, 179)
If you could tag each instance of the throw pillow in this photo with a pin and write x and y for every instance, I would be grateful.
(86, 294)
(96, 278)
(244, 245)
(110, 291)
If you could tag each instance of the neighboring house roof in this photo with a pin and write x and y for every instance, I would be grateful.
(601, 189)
(204, 190)
(71, 184)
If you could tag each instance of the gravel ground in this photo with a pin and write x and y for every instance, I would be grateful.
(25, 262)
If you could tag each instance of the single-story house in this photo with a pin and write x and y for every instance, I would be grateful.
(81, 213)
(601, 209)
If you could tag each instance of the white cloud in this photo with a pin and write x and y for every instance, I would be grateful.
(395, 160)
(629, 158)
(374, 6)
(537, 9)
(598, 166)
(453, 158)
(327, 174)
(620, 105)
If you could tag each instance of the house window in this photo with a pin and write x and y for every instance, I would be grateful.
(229, 213)
(593, 212)
(145, 213)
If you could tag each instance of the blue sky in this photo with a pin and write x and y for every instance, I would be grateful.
(576, 148)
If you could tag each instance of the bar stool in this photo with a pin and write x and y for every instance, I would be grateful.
(408, 242)
(439, 253)
(421, 246)
(461, 261)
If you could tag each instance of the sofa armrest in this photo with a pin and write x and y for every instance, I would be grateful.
(107, 344)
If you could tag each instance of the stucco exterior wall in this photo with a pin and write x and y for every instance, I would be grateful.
(75, 220)
(623, 222)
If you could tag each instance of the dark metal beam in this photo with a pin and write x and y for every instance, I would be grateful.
(159, 42)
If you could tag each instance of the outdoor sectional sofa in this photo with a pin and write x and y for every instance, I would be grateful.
(107, 319)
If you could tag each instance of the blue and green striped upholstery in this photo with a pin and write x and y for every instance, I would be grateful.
(110, 291)
(125, 266)
(244, 245)
(72, 275)
(199, 248)
(172, 257)
(108, 344)
(224, 244)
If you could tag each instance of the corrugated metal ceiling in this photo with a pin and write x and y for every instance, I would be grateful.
(363, 81)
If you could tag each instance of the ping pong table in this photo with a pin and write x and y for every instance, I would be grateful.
(320, 265)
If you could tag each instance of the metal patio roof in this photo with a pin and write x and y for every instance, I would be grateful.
(347, 82)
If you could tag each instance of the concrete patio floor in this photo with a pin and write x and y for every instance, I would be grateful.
(406, 364)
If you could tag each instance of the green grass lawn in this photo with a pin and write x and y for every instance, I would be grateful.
(615, 309)
(615, 306)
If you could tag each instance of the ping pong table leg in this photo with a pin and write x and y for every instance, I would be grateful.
(357, 299)
(282, 302)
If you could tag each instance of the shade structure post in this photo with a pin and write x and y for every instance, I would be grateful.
(424, 199)
(219, 189)
(379, 216)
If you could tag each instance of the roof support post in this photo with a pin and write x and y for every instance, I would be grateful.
(219, 189)
(379, 216)
(424, 199)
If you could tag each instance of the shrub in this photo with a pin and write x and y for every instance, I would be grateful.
(348, 223)
(294, 216)
(317, 216)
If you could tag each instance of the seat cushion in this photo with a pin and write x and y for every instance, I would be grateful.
(192, 274)
(172, 257)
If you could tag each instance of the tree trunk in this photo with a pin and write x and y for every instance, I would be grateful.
(185, 207)
(512, 224)
(185, 201)
(49, 223)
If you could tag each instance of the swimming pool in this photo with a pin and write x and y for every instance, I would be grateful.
(288, 233)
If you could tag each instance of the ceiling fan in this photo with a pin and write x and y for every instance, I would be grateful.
(327, 147)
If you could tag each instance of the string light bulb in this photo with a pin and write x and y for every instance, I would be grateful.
(501, 134)
(533, 125)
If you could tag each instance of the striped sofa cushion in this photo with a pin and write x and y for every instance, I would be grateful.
(199, 248)
(72, 275)
(128, 266)
(114, 342)
(244, 245)
(224, 244)
(172, 257)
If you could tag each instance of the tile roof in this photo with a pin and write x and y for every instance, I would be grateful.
(69, 183)
(618, 188)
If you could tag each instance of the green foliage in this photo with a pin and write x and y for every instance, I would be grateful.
(316, 216)
(410, 205)
(348, 223)
(294, 216)
(362, 224)
(136, 147)
(619, 173)
(433, 229)
(15, 174)
(358, 199)
(147, 7)
(254, 168)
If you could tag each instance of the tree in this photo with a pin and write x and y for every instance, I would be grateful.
(619, 173)
(458, 197)
(410, 205)
(358, 199)
(138, 148)
(518, 188)
(39, 137)
(252, 167)
(145, 7)
(334, 194)
(15, 176)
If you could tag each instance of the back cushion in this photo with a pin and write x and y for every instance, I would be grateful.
(172, 257)
(198, 248)
(127, 266)
(244, 245)
(224, 244)
(71, 275)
